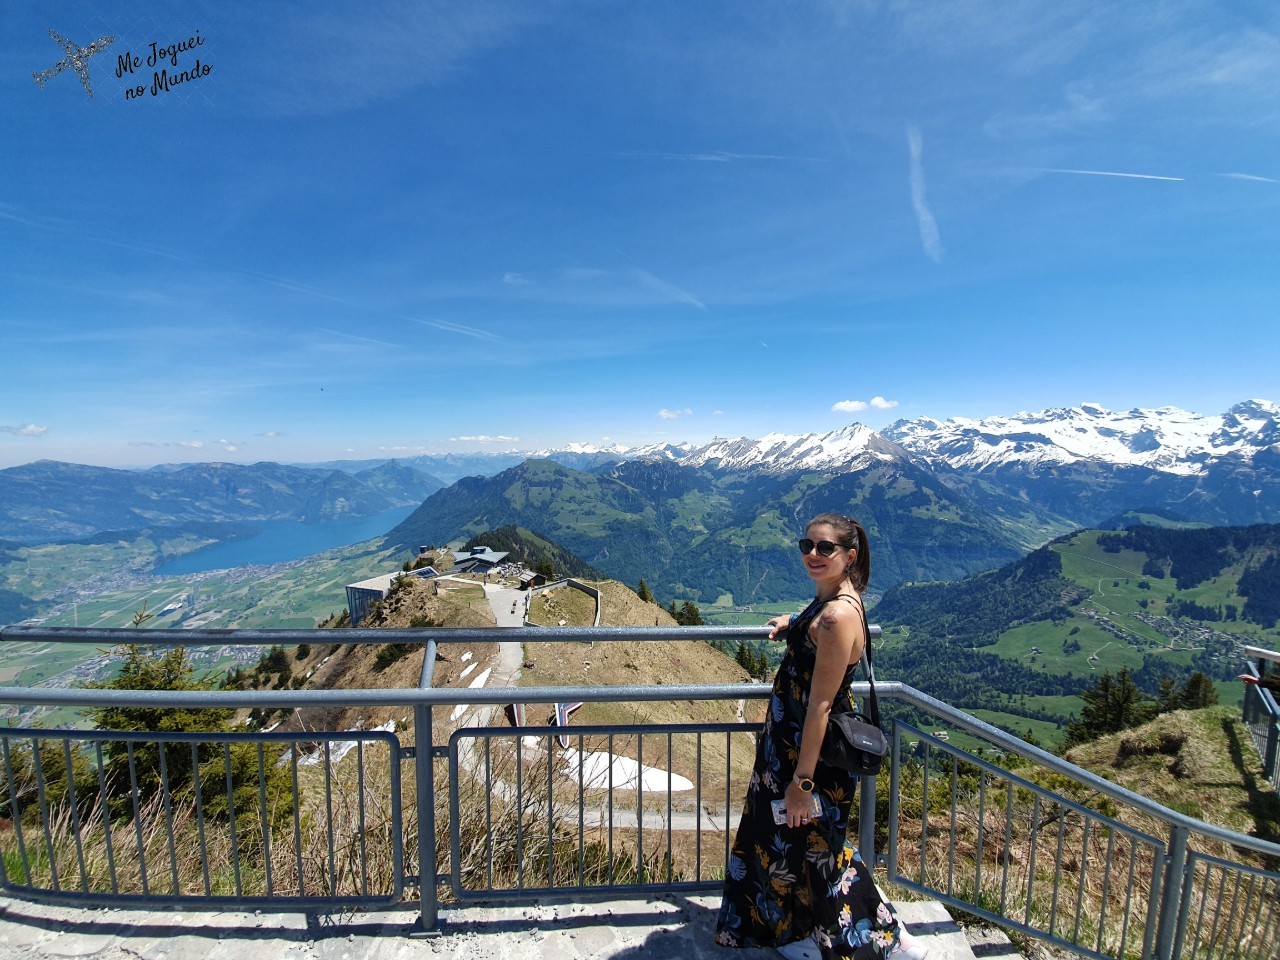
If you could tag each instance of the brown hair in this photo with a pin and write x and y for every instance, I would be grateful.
(852, 537)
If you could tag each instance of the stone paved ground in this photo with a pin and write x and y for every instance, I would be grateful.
(655, 929)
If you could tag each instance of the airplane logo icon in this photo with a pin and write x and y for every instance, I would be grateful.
(77, 59)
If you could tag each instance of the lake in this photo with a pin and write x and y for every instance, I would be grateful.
(281, 540)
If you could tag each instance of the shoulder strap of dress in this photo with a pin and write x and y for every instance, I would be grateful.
(843, 596)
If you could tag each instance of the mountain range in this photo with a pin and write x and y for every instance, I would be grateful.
(50, 500)
(940, 499)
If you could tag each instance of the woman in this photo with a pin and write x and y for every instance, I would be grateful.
(799, 885)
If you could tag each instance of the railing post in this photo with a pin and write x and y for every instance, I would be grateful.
(867, 822)
(895, 772)
(424, 774)
(1169, 925)
(1273, 741)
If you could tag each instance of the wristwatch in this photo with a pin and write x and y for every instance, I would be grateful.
(804, 783)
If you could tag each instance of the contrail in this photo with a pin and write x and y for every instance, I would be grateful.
(1109, 173)
(924, 216)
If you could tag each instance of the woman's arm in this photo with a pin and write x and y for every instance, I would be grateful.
(838, 635)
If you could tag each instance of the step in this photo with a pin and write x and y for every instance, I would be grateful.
(658, 928)
(929, 921)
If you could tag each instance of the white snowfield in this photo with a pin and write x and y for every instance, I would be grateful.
(601, 770)
(1167, 439)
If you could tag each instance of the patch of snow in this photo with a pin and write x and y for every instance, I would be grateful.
(626, 773)
(479, 681)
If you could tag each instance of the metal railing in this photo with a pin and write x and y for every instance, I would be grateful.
(325, 820)
(1262, 717)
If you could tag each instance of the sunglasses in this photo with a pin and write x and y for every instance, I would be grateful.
(825, 548)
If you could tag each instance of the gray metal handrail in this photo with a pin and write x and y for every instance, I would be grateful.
(1176, 867)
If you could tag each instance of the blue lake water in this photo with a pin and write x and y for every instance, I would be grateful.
(282, 540)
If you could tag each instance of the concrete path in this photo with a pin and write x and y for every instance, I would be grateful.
(652, 929)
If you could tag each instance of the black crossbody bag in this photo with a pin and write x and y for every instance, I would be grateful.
(854, 740)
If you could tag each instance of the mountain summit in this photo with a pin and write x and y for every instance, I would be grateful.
(1167, 439)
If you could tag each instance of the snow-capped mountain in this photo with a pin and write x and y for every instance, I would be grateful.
(1167, 440)
(780, 452)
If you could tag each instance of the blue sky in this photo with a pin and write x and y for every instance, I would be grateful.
(393, 228)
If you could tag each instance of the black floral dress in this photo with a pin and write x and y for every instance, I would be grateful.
(782, 883)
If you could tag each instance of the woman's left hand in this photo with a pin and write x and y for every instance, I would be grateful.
(799, 806)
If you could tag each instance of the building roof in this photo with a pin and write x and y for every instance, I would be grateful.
(481, 553)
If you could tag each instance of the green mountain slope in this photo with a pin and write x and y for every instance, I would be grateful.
(1024, 640)
(698, 534)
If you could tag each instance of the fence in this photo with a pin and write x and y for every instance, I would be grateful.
(309, 820)
(1262, 717)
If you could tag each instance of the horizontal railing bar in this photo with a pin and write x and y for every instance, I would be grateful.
(436, 696)
(99, 735)
(600, 729)
(230, 636)
(184, 902)
(572, 894)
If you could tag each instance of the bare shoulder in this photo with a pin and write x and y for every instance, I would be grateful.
(843, 613)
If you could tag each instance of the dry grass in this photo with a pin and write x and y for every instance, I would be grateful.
(1040, 861)
(335, 841)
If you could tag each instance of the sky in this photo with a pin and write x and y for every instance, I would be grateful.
(361, 230)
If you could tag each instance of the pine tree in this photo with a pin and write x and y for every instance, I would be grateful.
(1110, 705)
(1199, 692)
(1170, 697)
(643, 592)
(689, 615)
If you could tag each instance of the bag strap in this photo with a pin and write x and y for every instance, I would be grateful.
(874, 702)
(873, 711)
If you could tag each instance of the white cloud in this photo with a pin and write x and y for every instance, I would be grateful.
(857, 406)
(26, 430)
(666, 414)
(712, 156)
(515, 279)
(849, 406)
(483, 438)
(929, 236)
(186, 444)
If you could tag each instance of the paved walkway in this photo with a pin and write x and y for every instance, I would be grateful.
(654, 929)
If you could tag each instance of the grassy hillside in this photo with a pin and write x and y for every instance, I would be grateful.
(698, 534)
(1019, 643)
(1198, 762)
